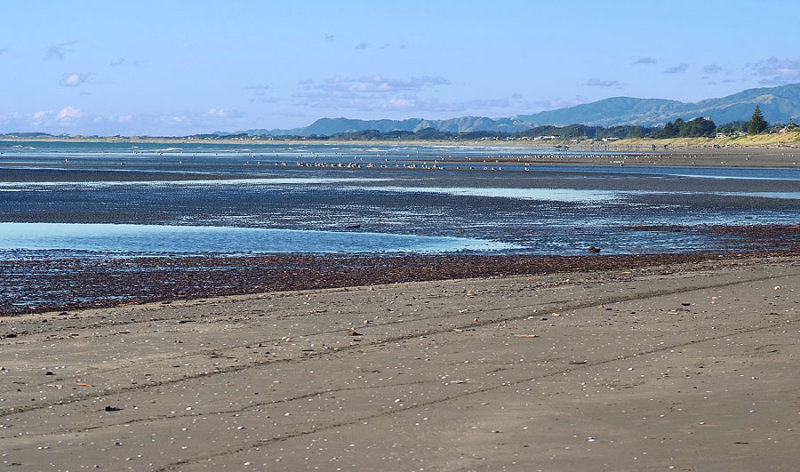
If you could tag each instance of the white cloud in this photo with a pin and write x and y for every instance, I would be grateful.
(224, 113)
(220, 112)
(70, 113)
(402, 103)
(41, 115)
(73, 79)
(375, 85)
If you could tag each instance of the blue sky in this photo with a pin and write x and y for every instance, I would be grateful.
(174, 68)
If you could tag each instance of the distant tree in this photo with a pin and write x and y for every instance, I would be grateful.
(757, 123)
(732, 128)
(687, 129)
(671, 129)
(701, 127)
(432, 133)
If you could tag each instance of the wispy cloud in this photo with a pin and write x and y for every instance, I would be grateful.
(362, 46)
(601, 83)
(555, 103)
(264, 99)
(60, 51)
(776, 71)
(644, 61)
(12, 121)
(223, 113)
(376, 85)
(379, 95)
(73, 79)
(72, 119)
(258, 93)
(126, 62)
(329, 37)
(679, 69)
(391, 46)
(712, 69)
(503, 106)
(418, 95)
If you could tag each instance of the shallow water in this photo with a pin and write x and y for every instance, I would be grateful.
(321, 198)
(130, 239)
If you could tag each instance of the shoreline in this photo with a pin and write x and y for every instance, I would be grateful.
(760, 142)
(66, 284)
(617, 153)
(667, 367)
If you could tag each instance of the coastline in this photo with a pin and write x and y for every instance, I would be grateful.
(39, 285)
(677, 366)
(789, 140)
(688, 152)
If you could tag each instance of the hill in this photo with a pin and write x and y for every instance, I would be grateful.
(778, 105)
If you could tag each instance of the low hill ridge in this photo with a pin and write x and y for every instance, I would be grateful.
(778, 105)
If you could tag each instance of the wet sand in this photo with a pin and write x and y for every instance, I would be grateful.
(40, 284)
(676, 366)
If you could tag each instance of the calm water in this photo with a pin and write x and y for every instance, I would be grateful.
(125, 199)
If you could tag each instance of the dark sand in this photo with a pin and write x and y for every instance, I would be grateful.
(680, 366)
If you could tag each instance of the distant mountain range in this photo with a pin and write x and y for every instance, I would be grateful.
(777, 104)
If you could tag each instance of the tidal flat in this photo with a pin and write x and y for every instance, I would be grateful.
(671, 346)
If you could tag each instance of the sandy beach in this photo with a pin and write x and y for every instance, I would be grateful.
(686, 366)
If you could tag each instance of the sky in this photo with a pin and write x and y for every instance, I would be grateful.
(169, 68)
